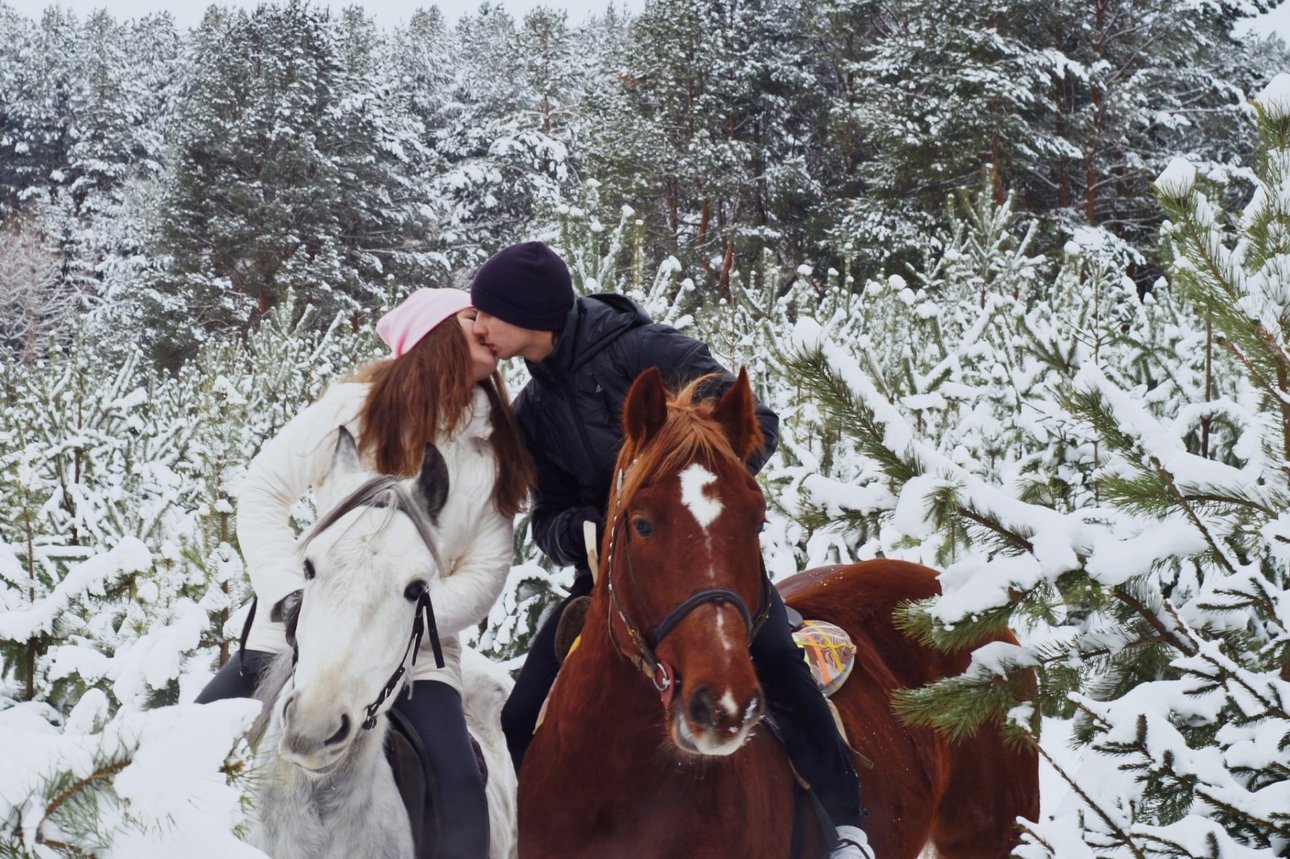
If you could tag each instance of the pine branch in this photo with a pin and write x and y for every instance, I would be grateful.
(1256, 823)
(994, 526)
(1123, 837)
(1205, 498)
(79, 785)
(64, 846)
(1154, 620)
(1226, 676)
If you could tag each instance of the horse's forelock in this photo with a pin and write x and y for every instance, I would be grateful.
(378, 492)
(690, 434)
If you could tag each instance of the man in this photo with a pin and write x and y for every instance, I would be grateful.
(583, 355)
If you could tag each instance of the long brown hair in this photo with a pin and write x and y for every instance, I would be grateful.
(424, 395)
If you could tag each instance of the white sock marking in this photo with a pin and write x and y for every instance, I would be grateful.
(705, 508)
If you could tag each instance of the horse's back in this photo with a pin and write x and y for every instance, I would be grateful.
(862, 595)
(964, 796)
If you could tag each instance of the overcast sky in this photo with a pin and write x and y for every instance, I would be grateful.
(188, 13)
(1276, 21)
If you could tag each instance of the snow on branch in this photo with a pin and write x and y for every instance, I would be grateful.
(91, 577)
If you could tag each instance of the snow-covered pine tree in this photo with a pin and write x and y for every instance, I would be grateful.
(36, 305)
(292, 172)
(506, 129)
(704, 131)
(1060, 99)
(81, 122)
(90, 477)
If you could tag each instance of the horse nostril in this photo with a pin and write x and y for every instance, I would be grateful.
(754, 712)
(340, 734)
(702, 706)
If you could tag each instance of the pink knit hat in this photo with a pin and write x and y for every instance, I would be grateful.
(405, 325)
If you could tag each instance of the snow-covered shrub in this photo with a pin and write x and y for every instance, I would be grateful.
(119, 573)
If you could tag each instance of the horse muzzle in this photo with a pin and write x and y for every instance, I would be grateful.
(314, 743)
(714, 725)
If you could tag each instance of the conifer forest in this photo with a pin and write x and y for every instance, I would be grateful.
(1014, 275)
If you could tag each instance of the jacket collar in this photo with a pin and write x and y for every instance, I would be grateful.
(593, 323)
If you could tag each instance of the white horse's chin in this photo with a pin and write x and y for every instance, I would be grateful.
(315, 766)
(705, 742)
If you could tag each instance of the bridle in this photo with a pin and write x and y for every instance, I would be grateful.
(645, 644)
(386, 491)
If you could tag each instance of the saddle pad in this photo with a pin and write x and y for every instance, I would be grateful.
(829, 652)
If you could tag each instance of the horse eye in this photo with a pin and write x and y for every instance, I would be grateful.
(644, 528)
(413, 592)
(309, 570)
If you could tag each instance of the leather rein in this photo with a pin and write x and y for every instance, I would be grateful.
(386, 491)
(645, 644)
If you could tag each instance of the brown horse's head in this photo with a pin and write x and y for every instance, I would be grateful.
(683, 561)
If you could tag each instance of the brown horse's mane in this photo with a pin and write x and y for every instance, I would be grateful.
(690, 434)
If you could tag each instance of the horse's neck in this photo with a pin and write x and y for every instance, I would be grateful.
(336, 815)
(606, 697)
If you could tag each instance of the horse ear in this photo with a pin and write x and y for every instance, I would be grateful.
(344, 459)
(737, 414)
(646, 407)
(432, 483)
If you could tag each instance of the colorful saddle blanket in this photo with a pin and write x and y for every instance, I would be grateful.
(829, 652)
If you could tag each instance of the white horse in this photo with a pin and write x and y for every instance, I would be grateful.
(325, 789)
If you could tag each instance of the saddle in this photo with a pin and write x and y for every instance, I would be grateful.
(828, 650)
(407, 758)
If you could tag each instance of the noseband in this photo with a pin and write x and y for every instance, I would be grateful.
(386, 491)
(646, 644)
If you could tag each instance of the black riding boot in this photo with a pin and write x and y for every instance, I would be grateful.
(436, 713)
(238, 677)
(520, 714)
(814, 744)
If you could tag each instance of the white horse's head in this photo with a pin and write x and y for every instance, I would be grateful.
(366, 565)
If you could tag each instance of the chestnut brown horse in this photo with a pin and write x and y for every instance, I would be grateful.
(648, 748)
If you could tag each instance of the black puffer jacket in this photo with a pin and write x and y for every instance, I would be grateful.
(571, 411)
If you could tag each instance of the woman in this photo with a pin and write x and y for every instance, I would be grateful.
(441, 385)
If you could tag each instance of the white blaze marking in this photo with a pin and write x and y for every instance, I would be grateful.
(721, 622)
(693, 481)
(728, 702)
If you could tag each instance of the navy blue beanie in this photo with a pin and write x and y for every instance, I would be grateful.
(527, 285)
